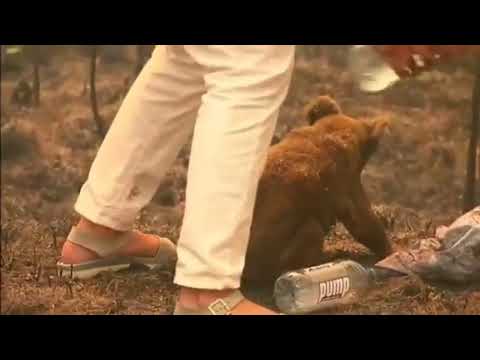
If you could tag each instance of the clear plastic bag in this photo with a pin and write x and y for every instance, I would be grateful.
(452, 257)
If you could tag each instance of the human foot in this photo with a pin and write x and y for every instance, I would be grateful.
(92, 248)
(213, 302)
(144, 245)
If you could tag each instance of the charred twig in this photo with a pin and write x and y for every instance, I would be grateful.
(36, 83)
(84, 86)
(408, 225)
(37, 55)
(35, 255)
(67, 282)
(68, 286)
(112, 288)
(428, 226)
(118, 300)
(3, 254)
(469, 196)
(3, 55)
(38, 272)
(142, 54)
(22, 94)
(139, 59)
(54, 237)
(112, 283)
(93, 91)
(7, 257)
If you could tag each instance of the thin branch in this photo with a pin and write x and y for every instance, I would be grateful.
(93, 91)
(469, 196)
(36, 83)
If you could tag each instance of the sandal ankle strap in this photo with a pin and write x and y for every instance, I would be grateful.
(98, 244)
(224, 306)
(221, 306)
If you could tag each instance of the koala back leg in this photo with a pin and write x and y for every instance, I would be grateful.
(306, 247)
(276, 217)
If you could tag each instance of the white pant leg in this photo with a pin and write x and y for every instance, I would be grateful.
(245, 87)
(153, 123)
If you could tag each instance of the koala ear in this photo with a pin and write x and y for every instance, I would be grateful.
(320, 107)
(378, 127)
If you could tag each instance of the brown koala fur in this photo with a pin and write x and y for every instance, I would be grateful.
(312, 180)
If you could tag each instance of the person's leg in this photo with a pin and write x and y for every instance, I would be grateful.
(153, 123)
(246, 86)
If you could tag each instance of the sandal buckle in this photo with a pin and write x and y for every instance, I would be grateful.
(219, 307)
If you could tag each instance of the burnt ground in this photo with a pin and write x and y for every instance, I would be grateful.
(415, 180)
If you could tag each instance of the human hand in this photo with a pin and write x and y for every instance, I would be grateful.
(409, 60)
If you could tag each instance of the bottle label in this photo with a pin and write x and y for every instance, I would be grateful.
(333, 289)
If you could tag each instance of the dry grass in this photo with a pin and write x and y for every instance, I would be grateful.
(417, 176)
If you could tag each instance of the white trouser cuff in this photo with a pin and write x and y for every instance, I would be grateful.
(206, 281)
(117, 219)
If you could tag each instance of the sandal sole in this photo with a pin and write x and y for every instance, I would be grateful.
(94, 268)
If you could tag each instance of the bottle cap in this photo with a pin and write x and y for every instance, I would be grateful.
(379, 274)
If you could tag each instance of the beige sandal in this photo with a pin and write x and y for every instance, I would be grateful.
(165, 256)
(221, 306)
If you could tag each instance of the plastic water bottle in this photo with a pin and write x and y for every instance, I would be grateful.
(321, 287)
(370, 71)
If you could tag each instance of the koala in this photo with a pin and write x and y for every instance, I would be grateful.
(311, 180)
